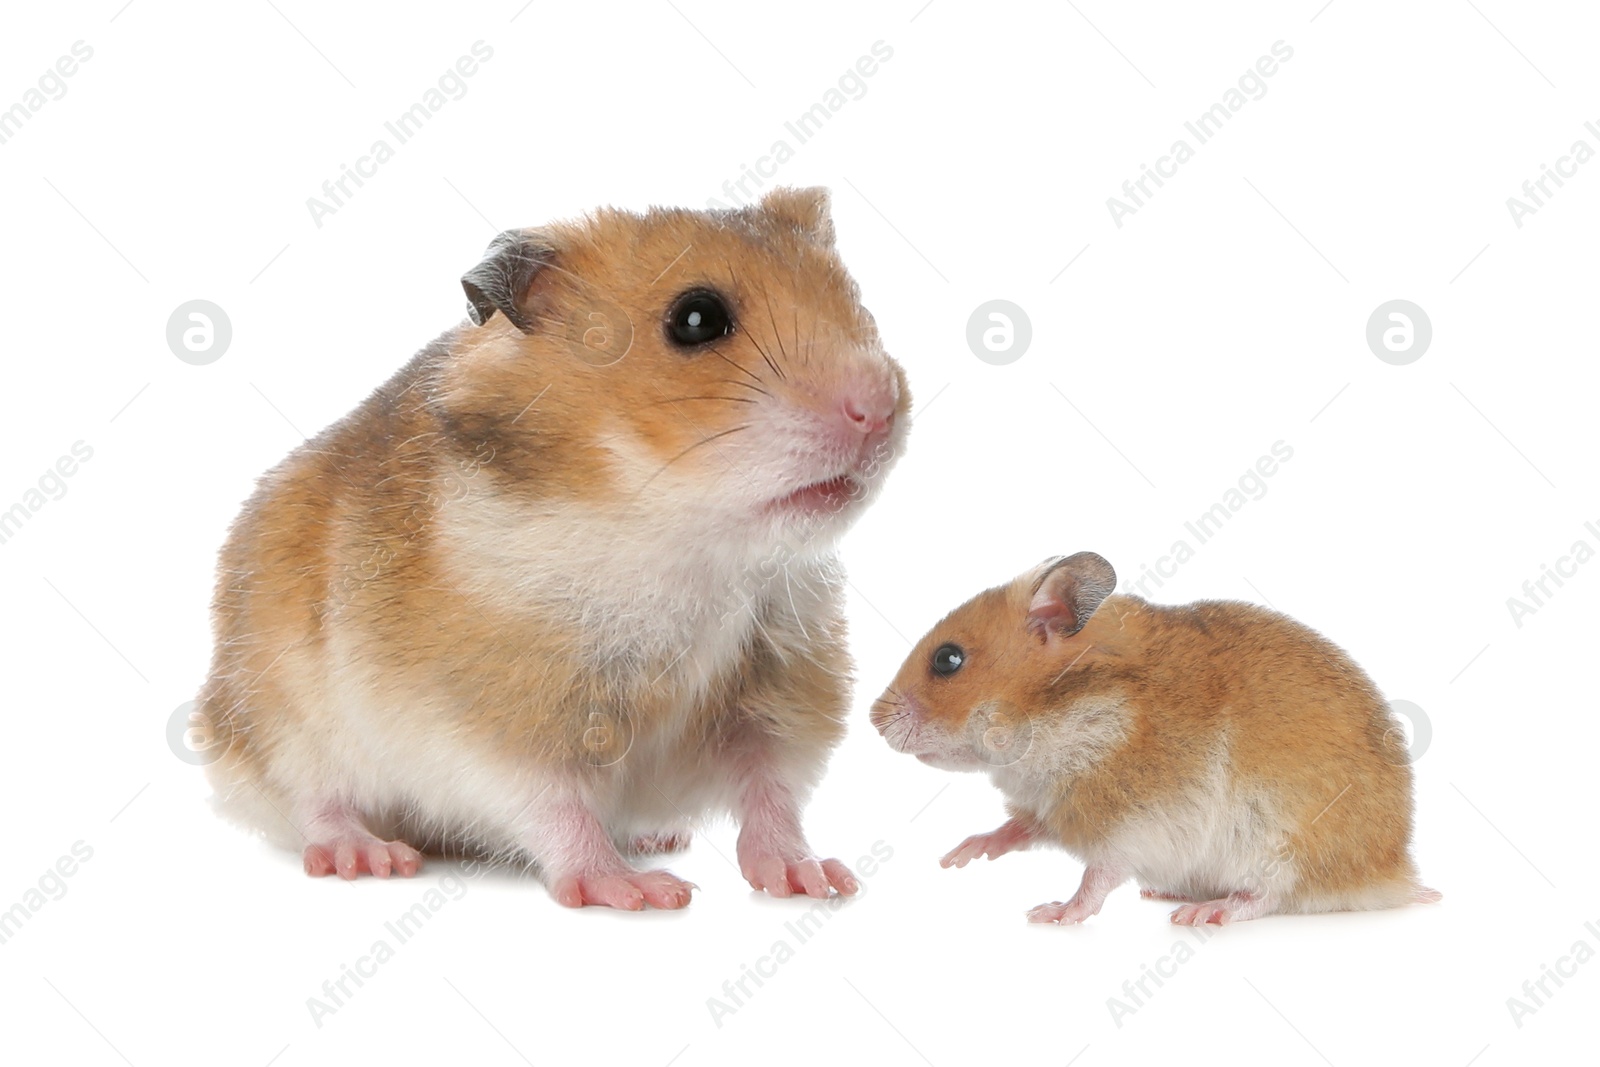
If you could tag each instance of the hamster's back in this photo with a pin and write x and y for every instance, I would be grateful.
(1302, 727)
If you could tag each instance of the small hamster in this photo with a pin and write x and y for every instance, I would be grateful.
(1227, 756)
(566, 584)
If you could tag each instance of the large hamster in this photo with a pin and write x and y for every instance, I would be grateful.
(566, 583)
(1224, 754)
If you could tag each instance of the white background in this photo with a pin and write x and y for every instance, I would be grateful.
(1227, 314)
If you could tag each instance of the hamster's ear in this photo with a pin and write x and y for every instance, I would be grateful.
(1068, 592)
(501, 280)
(804, 209)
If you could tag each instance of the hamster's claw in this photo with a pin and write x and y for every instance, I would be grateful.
(352, 856)
(808, 876)
(625, 890)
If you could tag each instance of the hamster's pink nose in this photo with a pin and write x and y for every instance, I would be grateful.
(869, 411)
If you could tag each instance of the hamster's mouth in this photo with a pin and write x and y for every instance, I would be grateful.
(825, 497)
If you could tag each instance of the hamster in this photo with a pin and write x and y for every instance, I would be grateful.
(566, 584)
(1227, 756)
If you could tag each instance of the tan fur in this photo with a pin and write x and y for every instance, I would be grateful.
(1209, 748)
(519, 563)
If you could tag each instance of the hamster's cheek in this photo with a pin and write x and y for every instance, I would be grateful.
(959, 762)
(937, 745)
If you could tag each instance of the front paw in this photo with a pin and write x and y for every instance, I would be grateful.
(991, 844)
(806, 875)
(356, 854)
(1015, 834)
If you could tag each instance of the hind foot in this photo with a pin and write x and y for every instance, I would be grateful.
(1234, 907)
(1097, 881)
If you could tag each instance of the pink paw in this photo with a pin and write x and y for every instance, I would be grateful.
(352, 856)
(996, 843)
(626, 889)
(1220, 912)
(1067, 914)
(660, 843)
(1212, 911)
(809, 876)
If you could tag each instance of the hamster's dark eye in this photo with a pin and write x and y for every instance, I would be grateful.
(697, 317)
(947, 659)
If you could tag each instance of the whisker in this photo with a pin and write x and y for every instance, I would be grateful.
(797, 617)
(685, 452)
(676, 399)
(771, 317)
(747, 385)
(733, 282)
(764, 354)
(894, 720)
(715, 351)
(1088, 649)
